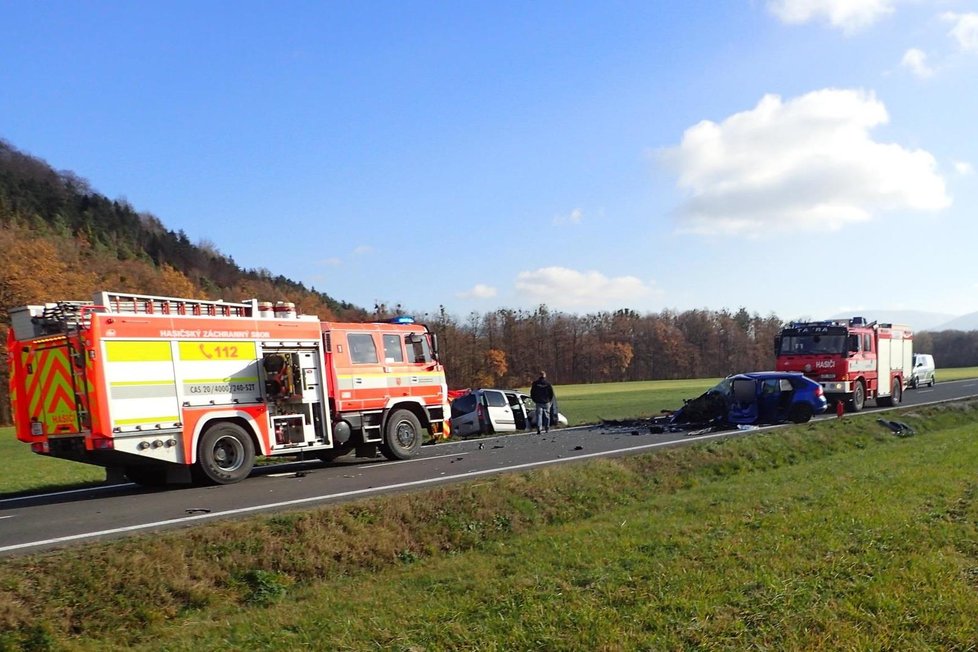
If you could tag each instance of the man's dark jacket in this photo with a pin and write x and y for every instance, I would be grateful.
(541, 391)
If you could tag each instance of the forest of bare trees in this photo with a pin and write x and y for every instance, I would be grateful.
(509, 347)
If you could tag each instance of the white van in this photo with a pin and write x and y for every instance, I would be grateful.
(923, 370)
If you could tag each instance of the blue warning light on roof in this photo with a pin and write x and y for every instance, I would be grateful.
(403, 319)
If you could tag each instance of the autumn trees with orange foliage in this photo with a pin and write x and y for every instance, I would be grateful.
(609, 346)
(63, 241)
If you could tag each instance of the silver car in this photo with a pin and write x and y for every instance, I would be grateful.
(923, 370)
(487, 411)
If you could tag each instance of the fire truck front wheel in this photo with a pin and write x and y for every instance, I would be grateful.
(225, 454)
(402, 437)
(858, 397)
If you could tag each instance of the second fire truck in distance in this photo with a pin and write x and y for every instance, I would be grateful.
(174, 390)
(852, 360)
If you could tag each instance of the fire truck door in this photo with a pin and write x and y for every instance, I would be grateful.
(50, 382)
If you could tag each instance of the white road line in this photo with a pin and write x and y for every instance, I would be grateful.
(346, 494)
(10, 516)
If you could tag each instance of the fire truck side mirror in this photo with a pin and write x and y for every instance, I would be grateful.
(434, 346)
(777, 345)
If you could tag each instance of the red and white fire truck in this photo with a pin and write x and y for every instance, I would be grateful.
(179, 390)
(854, 361)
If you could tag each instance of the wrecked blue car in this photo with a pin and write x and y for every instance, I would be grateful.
(759, 397)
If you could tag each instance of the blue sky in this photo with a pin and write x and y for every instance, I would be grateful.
(796, 157)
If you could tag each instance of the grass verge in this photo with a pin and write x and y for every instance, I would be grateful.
(836, 535)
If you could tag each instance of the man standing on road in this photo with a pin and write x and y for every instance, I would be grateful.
(542, 393)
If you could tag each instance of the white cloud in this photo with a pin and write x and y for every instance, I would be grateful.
(574, 217)
(479, 291)
(963, 168)
(848, 15)
(362, 250)
(964, 31)
(915, 60)
(567, 288)
(331, 262)
(807, 163)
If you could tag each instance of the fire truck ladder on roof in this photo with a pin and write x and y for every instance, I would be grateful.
(145, 304)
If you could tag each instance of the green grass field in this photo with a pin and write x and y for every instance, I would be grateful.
(826, 536)
(590, 403)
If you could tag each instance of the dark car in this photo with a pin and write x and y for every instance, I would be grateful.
(754, 398)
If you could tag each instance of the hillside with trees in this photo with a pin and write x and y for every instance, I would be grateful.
(62, 239)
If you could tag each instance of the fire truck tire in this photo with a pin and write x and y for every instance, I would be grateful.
(402, 437)
(858, 399)
(800, 413)
(147, 475)
(225, 454)
(896, 395)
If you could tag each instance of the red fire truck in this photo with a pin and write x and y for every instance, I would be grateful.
(854, 361)
(180, 390)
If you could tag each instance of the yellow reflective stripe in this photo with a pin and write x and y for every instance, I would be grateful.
(131, 422)
(229, 350)
(136, 351)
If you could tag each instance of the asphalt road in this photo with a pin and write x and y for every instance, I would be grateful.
(44, 521)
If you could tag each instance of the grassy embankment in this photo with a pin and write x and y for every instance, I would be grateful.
(835, 535)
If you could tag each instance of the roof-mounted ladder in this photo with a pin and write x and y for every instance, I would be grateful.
(151, 305)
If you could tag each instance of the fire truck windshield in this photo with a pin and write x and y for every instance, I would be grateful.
(818, 344)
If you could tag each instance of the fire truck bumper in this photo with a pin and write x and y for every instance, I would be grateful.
(837, 390)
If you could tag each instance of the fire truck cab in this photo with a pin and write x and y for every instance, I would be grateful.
(853, 361)
(174, 390)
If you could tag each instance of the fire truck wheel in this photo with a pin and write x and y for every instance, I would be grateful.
(402, 438)
(858, 398)
(225, 454)
(896, 393)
